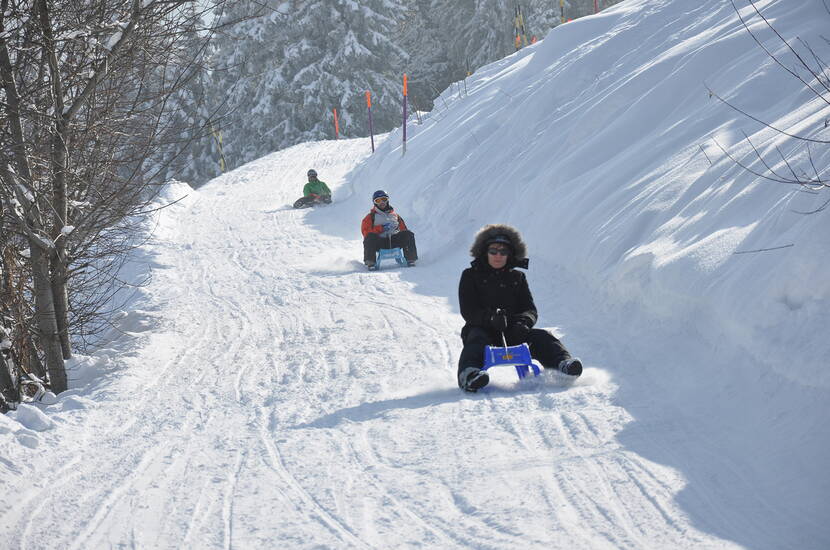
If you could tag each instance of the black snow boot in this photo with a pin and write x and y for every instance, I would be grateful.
(473, 379)
(572, 366)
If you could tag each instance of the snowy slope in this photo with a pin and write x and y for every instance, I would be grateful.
(274, 394)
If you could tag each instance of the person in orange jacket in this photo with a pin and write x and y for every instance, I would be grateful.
(384, 228)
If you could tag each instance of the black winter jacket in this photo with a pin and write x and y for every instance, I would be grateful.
(483, 289)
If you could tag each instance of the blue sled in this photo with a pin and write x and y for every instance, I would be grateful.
(510, 356)
(389, 254)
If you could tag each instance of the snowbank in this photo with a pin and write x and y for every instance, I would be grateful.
(599, 144)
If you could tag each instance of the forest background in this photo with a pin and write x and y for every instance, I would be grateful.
(273, 76)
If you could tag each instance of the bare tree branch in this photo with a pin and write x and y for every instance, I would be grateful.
(772, 56)
(764, 249)
(758, 120)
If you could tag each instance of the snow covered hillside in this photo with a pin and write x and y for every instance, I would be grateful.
(268, 392)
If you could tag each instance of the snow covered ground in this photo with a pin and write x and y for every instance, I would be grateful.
(268, 392)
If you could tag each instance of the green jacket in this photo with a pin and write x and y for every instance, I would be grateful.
(316, 187)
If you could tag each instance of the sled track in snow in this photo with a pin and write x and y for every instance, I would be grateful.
(303, 403)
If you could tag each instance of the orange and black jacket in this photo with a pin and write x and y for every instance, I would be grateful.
(368, 224)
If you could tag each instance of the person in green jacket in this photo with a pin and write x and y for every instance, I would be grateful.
(314, 192)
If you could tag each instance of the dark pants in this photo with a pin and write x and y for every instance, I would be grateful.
(304, 202)
(404, 239)
(544, 347)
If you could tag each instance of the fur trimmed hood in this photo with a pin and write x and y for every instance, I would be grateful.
(479, 248)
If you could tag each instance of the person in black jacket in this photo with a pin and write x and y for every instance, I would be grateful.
(495, 299)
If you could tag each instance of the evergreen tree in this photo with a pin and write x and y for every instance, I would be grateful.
(277, 75)
(287, 70)
(190, 152)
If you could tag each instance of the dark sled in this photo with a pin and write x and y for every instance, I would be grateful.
(308, 202)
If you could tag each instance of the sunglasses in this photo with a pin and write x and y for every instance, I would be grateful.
(499, 251)
(381, 200)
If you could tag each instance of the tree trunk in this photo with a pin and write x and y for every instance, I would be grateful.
(46, 322)
(59, 220)
(9, 392)
(44, 302)
(61, 300)
(59, 154)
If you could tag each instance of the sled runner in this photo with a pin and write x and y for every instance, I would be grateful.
(389, 254)
(510, 356)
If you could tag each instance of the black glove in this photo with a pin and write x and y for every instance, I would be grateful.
(518, 330)
(498, 320)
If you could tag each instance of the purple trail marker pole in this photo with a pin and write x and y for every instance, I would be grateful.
(404, 115)
(369, 106)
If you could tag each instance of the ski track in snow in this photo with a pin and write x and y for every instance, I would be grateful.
(271, 393)
(306, 403)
